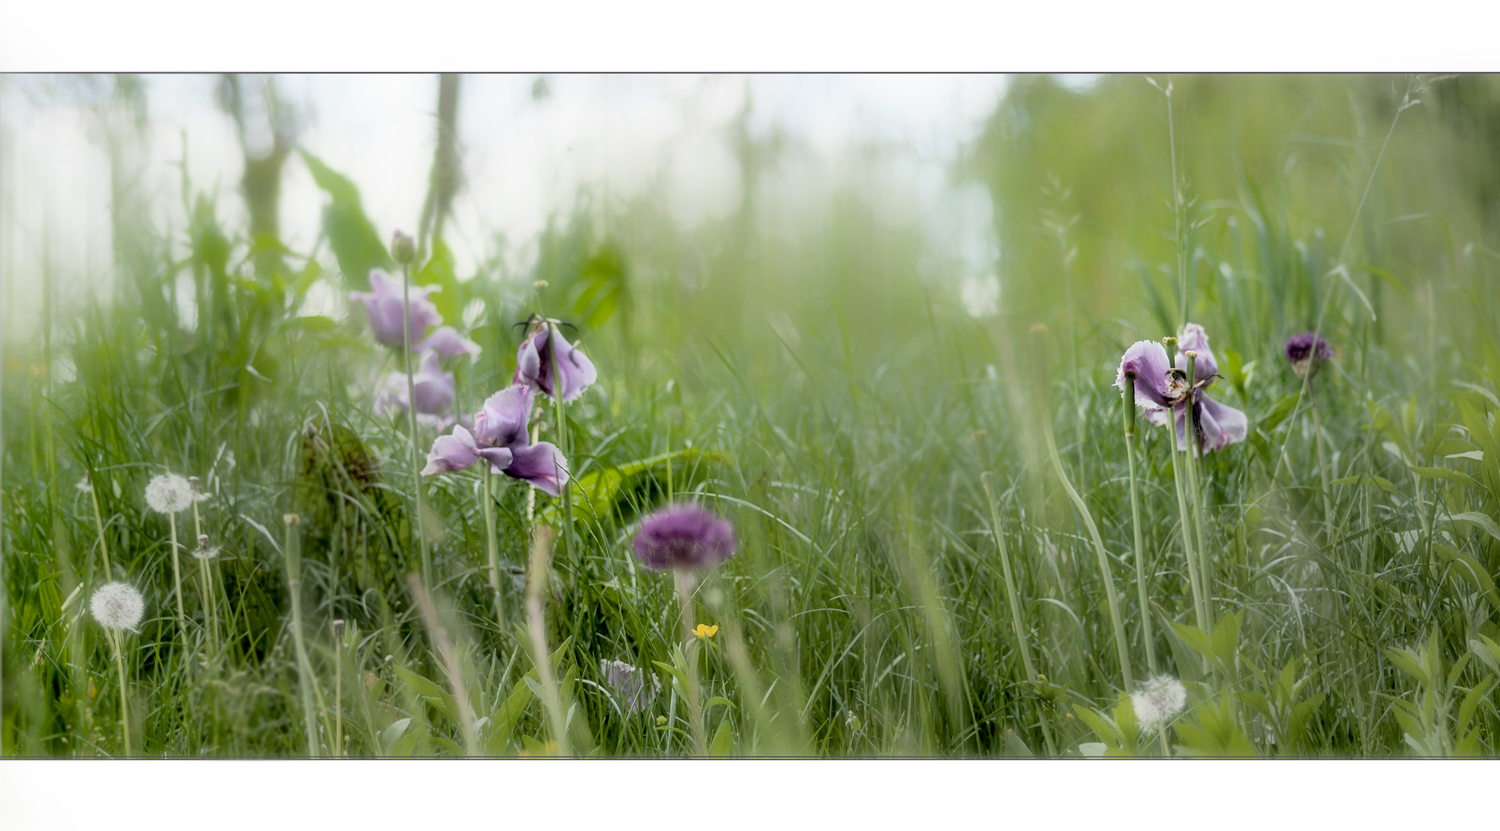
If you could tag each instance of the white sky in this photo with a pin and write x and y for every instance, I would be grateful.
(523, 159)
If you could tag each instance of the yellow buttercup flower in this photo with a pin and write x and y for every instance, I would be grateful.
(705, 631)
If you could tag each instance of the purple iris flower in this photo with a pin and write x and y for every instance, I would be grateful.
(432, 386)
(1307, 352)
(383, 303)
(500, 437)
(535, 357)
(1160, 387)
(684, 537)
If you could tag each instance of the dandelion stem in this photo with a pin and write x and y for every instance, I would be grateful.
(99, 525)
(1104, 571)
(684, 581)
(304, 666)
(1135, 520)
(411, 422)
(541, 555)
(119, 644)
(177, 572)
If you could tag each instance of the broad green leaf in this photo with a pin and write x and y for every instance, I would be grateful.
(356, 244)
(1484, 522)
(721, 745)
(1098, 723)
(434, 694)
(1093, 750)
(1407, 662)
(1194, 637)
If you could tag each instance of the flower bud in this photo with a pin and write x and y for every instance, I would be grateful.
(403, 250)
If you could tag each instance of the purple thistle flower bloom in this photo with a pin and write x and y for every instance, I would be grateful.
(432, 386)
(629, 683)
(1160, 387)
(684, 537)
(500, 437)
(383, 305)
(534, 363)
(1307, 352)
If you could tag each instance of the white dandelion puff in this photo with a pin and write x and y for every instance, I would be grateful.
(168, 493)
(204, 551)
(198, 495)
(1158, 701)
(117, 606)
(84, 485)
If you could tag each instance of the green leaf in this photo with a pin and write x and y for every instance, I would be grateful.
(1194, 637)
(601, 285)
(1015, 746)
(629, 489)
(1225, 640)
(1471, 703)
(717, 700)
(721, 745)
(1368, 481)
(1484, 522)
(1444, 473)
(390, 734)
(1408, 663)
(352, 236)
(1098, 723)
(1487, 650)
(1470, 570)
(434, 694)
(1093, 750)
(439, 270)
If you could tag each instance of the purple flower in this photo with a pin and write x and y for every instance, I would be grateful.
(1307, 352)
(383, 304)
(684, 537)
(500, 437)
(629, 683)
(432, 386)
(535, 357)
(1160, 387)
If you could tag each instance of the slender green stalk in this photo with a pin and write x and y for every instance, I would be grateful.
(177, 572)
(210, 611)
(491, 545)
(443, 642)
(119, 643)
(99, 526)
(1104, 570)
(684, 580)
(563, 446)
(541, 555)
(1195, 493)
(1127, 397)
(411, 423)
(304, 666)
(338, 688)
(1327, 489)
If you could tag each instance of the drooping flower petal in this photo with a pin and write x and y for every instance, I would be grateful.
(540, 464)
(447, 341)
(534, 362)
(1220, 425)
(501, 422)
(383, 303)
(1154, 387)
(452, 452)
(1193, 338)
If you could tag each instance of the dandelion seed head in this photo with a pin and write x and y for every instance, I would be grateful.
(117, 606)
(204, 551)
(168, 493)
(1158, 701)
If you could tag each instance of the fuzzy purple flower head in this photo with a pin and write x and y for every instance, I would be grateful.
(383, 304)
(1307, 352)
(684, 537)
(500, 437)
(534, 359)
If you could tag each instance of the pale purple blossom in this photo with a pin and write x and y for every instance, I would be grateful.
(500, 437)
(685, 537)
(431, 384)
(1160, 387)
(383, 303)
(534, 363)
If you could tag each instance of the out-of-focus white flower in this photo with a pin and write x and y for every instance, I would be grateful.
(117, 606)
(84, 485)
(204, 551)
(980, 295)
(168, 493)
(1158, 701)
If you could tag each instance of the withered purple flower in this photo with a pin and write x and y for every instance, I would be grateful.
(1307, 352)
(684, 537)
(500, 437)
(534, 360)
(1161, 387)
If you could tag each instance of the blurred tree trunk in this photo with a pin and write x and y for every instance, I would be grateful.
(446, 177)
(261, 183)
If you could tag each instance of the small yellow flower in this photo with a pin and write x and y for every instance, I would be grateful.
(705, 631)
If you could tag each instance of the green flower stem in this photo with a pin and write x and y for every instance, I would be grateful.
(684, 581)
(541, 555)
(177, 572)
(491, 546)
(99, 525)
(411, 423)
(563, 447)
(1195, 492)
(304, 666)
(1104, 571)
(1127, 397)
(119, 643)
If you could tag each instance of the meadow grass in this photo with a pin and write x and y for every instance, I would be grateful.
(938, 553)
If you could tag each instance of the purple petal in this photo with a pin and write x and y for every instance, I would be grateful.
(1148, 360)
(529, 367)
(1194, 338)
(500, 458)
(534, 362)
(502, 420)
(383, 304)
(1222, 425)
(574, 368)
(683, 537)
(540, 464)
(432, 386)
(452, 453)
(447, 341)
